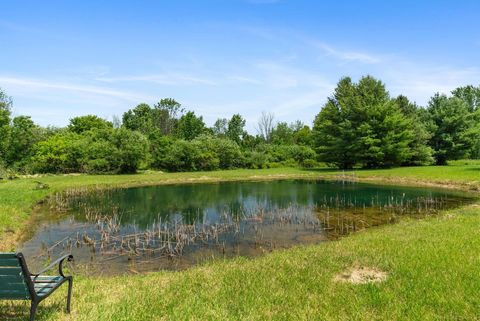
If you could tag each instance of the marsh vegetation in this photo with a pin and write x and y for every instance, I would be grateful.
(177, 226)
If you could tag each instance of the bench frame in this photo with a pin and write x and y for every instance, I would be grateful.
(30, 279)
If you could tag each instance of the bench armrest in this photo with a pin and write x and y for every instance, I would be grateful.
(68, 257)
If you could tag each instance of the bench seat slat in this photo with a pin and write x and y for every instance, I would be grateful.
(44, 286)
(9, 262)
(43, 291)
(11, 279)
(13, 286)
(38, 287)
(10, 271)
(14, 295)
(8, 256)
(47, 279)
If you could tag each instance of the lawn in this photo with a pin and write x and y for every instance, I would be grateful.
(432, 265)
(460, 174)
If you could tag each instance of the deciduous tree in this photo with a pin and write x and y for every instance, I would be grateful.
(235, 128)
(190, 126)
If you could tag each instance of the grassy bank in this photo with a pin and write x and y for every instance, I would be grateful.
(432, 265)
(460, 175)
(18, 197)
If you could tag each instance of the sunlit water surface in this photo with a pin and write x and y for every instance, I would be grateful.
(176, 226)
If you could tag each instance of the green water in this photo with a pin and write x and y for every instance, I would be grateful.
(176, 226)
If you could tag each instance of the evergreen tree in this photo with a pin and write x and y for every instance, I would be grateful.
(421, 153)
(361, 125)
(471, 96)
(453, 133)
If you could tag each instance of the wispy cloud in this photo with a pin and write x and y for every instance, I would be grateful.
(283, 75)
(419, 81)
(246, 80)
(290, 80)
(345, 55)
(173, 79)
(33, 31)
(26, 84)
(301, 40)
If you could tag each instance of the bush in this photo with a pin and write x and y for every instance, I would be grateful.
(207, 161)
(256, 160)
(131, 150)
(203, 153)
(309, 163)
(6, 173)
(95, 151)
(159, 148)
(58, 154)
(301, 154)
(227, 151)
(290, 155)
(98, 153)
(181, 157)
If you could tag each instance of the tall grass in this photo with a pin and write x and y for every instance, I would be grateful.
(432, 265)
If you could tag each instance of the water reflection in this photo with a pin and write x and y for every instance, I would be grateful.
(172, 227)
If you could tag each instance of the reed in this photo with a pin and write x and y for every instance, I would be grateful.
(107, 238)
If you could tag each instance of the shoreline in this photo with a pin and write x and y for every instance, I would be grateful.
(10, 240)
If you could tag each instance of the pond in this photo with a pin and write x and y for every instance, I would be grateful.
(173, 227)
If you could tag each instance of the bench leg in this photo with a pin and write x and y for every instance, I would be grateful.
(33, 310)
(69, 295)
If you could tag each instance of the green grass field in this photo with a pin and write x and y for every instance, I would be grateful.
(432, 265)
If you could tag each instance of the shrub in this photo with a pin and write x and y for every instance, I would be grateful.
(131, 149)
(181, 157)
(309, 163)
(256, 159)
(227, 151)
(95, 151)
(58, 154)
(290, 155)
(159, 148)
(207, 161)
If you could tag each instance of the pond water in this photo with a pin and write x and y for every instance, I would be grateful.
(176, 226)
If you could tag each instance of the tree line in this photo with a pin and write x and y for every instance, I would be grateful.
(360, 125)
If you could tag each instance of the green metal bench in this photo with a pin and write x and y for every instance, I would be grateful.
(17, 283)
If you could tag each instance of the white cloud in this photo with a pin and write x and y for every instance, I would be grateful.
(288, 81)
(345, 55)
(247, 80)
(281, 75)
(173, 79)
(420, 81)
(40, 84)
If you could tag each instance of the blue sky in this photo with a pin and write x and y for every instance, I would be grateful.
(60, 59)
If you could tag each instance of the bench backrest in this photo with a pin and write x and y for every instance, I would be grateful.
(12, 277)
